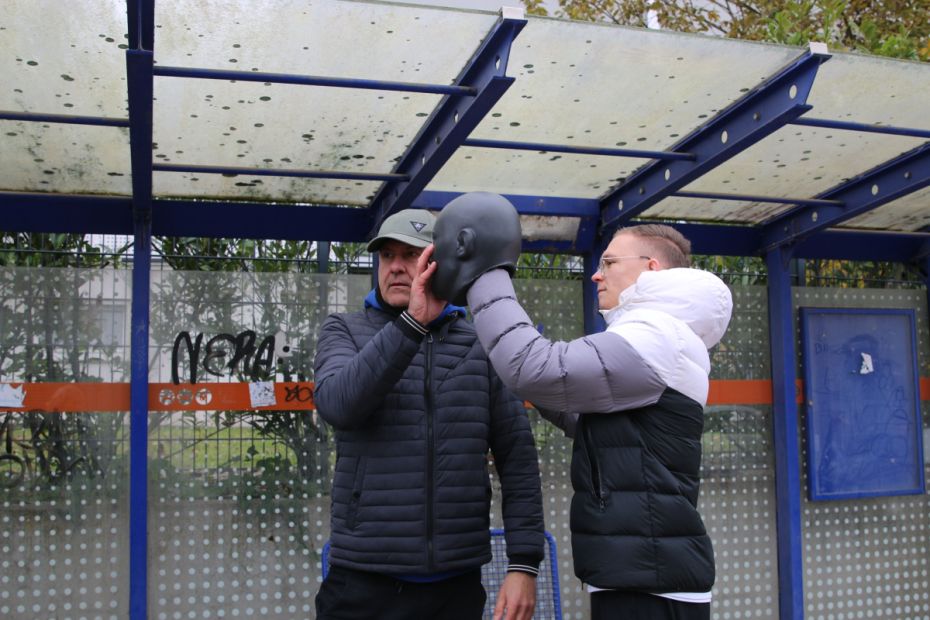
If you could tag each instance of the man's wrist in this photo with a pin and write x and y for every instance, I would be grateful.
(520, 567)
(411, 326)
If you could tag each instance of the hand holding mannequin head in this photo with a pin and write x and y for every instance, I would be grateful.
(473, 234)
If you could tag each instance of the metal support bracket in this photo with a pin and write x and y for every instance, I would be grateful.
(453, 120)
(779, 100)
(898, 177)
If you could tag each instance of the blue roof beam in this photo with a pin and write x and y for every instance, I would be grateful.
(898, 177)
(578, 150)
(768, 107)
(454, 118)
(813, 202)
(850, 126)
(312, 80)
(232, 171)
(68, 119)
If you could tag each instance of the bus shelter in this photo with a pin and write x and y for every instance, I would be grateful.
(316, 120)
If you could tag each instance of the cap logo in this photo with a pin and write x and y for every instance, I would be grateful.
(418, 226)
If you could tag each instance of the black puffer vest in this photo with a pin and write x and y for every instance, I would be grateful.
(634, 518)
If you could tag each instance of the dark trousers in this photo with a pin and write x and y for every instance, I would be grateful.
(614, 605)
(353, 595)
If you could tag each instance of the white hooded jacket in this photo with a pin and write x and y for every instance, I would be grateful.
(657, 337)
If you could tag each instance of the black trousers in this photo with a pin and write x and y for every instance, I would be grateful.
(354, 595)
(614, 605)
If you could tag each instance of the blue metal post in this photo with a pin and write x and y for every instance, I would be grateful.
(138, 420)
(139, 80)
(785, 434)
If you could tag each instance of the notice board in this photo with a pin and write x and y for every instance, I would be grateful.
(864, 433)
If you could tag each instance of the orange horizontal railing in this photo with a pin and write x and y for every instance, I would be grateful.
(276, 396)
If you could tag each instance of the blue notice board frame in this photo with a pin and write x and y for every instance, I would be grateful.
(861, 390)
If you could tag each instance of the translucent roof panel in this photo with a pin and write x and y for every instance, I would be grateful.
(256, 125)
(803, 162)
(60, 61)
(71, 62)
(582, 84)
(210, 122)
(65, 159)
(576, 84)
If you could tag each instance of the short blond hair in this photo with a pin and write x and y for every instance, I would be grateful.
(664, 243)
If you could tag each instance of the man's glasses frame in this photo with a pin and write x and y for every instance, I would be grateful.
(607, 260)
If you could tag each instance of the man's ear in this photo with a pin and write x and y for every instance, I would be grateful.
(465, 244)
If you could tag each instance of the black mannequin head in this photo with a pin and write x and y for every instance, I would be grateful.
(474, 233)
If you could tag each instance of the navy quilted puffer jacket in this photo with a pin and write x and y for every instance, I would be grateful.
(414, 419)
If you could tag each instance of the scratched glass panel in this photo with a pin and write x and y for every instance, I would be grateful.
(64, 483)
(867, 558)
(239, 498)
(64, 325)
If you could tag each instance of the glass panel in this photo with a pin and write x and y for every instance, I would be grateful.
(581, 84)
(64, 524)
(58, 61)
(806, 161)
(276, 126)
(66, 159)
(64, 325)
(64, 483)
(239, 500)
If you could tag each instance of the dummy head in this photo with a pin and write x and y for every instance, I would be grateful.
(473, 234)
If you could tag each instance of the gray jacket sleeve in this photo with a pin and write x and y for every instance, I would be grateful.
(599, 373)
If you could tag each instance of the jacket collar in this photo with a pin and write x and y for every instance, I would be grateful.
(374, 300)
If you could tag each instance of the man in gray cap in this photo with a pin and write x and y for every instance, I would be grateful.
(416, 407)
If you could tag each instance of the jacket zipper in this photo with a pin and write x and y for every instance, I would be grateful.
(428, 392)
(596, 482)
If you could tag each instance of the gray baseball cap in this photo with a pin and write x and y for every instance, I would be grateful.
(411, 226)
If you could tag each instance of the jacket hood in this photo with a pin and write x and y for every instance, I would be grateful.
(373, 300)
(698, 298)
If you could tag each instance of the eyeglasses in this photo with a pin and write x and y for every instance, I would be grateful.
(607, 260)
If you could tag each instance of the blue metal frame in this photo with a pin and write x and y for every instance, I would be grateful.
(886, 129)
(281, 172)
(451, 123)
(139, 63)
(902, 175)
(69, 119)
(811, 202)
(312, 80)
(580, 150)
(762, 111)
(786, 437)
